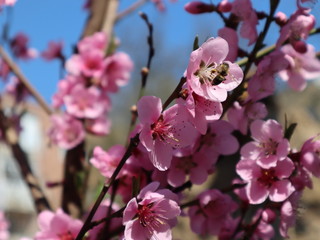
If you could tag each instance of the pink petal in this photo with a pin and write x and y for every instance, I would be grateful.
(256, 192)
(176, 177)
(245, 169)
(130, 211)
(152, 187)
(215, 50)
(149, 109)
(284, 168)
(161, 155)
(146, 138)
(44, 219)
(267, 161)
(281, 190)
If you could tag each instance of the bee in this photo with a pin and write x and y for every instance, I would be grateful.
(221, 72)
(213, 74)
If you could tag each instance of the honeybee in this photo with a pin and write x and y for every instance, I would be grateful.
(213, 73)
(221, 71)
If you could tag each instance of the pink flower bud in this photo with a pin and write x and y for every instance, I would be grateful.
(281, 18)
(198, 7)
(268, 215)
(224, 6)
(299, 46)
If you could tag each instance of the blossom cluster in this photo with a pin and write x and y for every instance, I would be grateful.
(92, 75)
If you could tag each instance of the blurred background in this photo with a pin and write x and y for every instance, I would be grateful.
(174, 33)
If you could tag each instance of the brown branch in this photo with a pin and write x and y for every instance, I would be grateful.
(11, 138)
(74, 164)
(95, 19)
(15, 69)
(102, 17)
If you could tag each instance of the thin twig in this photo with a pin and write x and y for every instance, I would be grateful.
(133, 144)
(144, 71)
(15, 69)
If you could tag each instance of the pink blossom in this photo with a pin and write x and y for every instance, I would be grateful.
(86, 102)
(263, 183)
(57, 226)
(151, 215)
(16, 88)
(228, 229)
(297, 27)
(106, 162)
(7, 2)
(66, 131)
(224, 6)
(197, 166)
(262, 84)
(99, 126)
(264, 230)
(212, 212)
(301, 67)
(53, 51)
(4, 227)
(206, 63)
(219, 138)
(88, 63)
(20, 48)
(4, 69)
(161, 132)
(281, 18)
(310, 156)
(269, 144)
(159, 4)
(64, 88)
(301, 179)
(202, 110)
(117, 69)
(243, 9)
(230, 35)
(97, 41)
(242, 116)
(289, 213)
(87, 4)
(197, 7)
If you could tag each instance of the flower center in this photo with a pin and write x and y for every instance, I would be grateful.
(212, 73)
(148, 218)
(267, 177)
(270, 147)
(162, 130)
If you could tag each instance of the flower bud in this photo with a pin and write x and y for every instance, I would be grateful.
(224, 6)
(197, 7)
(281, 18)
(299, 46)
